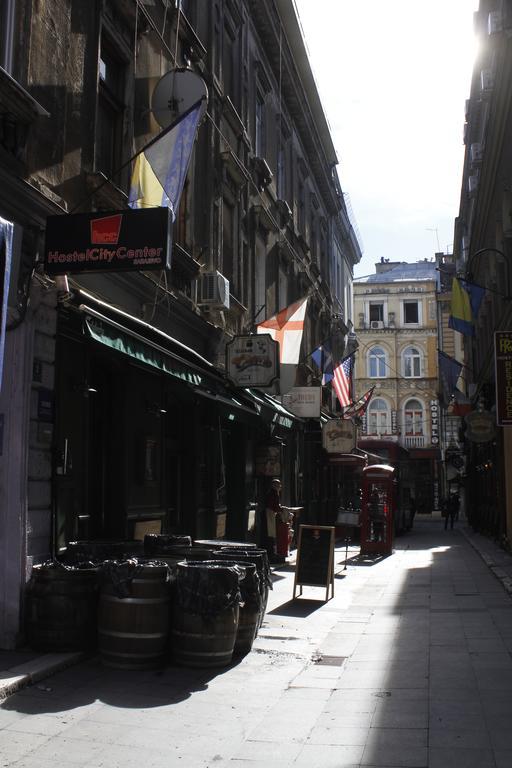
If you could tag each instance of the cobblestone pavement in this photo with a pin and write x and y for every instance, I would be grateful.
(408, 665)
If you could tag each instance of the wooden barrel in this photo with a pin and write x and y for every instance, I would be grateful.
(260, 557)
(160, 543)
(205, 613)
(97, 550)
(133, 614)
(178, 554)
(61, 608)
(219, 543)
(250, 605)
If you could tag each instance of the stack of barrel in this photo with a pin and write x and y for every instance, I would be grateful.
(138, 603)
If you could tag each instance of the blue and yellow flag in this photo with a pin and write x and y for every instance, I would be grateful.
(466, 300)
(160, 170)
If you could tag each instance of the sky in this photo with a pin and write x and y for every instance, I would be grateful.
(393, 77)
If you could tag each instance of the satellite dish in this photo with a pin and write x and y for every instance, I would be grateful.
(175, 92)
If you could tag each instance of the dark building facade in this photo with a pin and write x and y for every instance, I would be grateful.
(483, 253)
(116, 412)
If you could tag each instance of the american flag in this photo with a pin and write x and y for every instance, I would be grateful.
(358, 408)
(342, 381)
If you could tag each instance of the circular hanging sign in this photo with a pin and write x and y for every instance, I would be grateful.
(480, 427)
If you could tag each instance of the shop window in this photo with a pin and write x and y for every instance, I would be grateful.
(377, 363)
(378, 419)
(111, 91)
(411, 363)
(413, 418)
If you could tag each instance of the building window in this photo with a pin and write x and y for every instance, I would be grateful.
(230, 63)
(301, 206)
(7, 34)
(412, 363)
(281, 173)
(260, 128)
(413, 414)
(378, 417)
(376, 311)
(228, 243)
(411, 313)
(377, 363)
(112, 80)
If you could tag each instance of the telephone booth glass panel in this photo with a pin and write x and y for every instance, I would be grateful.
(377, 509)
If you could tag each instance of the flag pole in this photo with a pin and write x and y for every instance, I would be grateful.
(149, 144)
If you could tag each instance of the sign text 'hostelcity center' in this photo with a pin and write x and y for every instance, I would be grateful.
(108, 241)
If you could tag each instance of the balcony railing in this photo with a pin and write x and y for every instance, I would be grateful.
(413, 441)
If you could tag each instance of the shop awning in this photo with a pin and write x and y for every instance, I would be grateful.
(113, 335)
(278, 413)
(127, 341)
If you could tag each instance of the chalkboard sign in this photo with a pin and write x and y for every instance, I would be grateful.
(315, 558)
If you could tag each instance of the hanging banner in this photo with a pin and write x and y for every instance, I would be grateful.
(503, 368)
(304, 401)
(114, 241)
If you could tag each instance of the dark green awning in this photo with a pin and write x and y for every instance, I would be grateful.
(129, 344)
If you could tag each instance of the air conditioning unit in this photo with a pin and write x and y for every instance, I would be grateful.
(476, 152)
(213, 290)
(375, 324)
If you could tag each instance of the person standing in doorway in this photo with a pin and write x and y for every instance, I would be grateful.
(279, 523)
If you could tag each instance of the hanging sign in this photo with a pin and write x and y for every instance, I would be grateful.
(268, 460)
(480, 426)
(114, 241)
(434, 422)
(503, 367)
(304, 401)
(252, 361)
(339, 436)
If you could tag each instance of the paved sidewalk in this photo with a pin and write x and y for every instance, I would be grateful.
(408, 665)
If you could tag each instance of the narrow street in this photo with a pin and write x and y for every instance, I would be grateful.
(408, 665)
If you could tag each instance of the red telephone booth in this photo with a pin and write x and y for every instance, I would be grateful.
(378, 507)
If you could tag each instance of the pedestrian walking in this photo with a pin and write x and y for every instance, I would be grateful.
(452, 510)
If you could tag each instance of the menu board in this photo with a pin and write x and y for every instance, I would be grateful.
(315, 558)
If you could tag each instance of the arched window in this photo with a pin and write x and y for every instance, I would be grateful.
(413, 417)
(377, 363)
(412, 362)
(378, 417)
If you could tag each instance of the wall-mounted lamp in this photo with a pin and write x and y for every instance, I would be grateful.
(85, 389)
(154, 409)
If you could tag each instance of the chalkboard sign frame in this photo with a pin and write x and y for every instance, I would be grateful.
(304, 579)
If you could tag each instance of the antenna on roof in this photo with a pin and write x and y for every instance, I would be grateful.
(430, 229)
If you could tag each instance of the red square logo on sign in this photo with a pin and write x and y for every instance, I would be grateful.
(105, 231)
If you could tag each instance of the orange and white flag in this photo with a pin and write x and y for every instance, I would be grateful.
(286, 327)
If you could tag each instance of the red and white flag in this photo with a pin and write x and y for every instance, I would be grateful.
(286, 327)
(342, 381)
